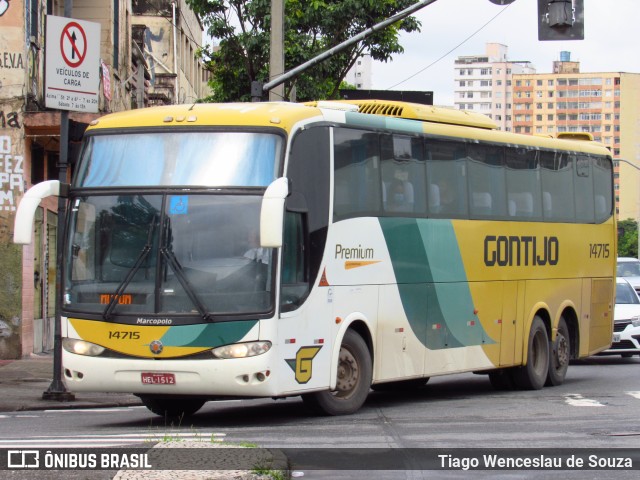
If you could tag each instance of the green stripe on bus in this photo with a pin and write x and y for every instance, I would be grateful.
(432, 282)
(387, 123)
(207, 335)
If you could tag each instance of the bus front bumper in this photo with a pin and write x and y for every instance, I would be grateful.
(238, 377)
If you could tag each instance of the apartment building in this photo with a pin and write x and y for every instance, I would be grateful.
(146, 57)
(360, 75)
(604, 104)
(483, 83)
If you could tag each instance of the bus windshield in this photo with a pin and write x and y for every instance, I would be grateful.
(195, 255)
(156, 159)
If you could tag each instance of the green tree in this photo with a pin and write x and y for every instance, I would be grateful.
(241, 30)
(628, 238)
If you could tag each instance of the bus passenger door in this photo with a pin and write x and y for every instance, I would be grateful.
(510, 346)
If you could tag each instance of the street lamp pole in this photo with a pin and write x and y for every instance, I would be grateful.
(57, 389)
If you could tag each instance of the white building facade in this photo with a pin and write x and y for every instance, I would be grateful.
(482, 83)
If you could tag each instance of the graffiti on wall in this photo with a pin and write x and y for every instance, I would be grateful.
(12, 65)
(11, 174)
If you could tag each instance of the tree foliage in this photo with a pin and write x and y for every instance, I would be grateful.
(628, 238)
(241, 29)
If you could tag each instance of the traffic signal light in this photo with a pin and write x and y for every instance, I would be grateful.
(560, 19)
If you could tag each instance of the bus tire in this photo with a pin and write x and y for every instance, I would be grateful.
(400, 385)
(354, 380)
(559, 355)
(172, 407)
(533, 374)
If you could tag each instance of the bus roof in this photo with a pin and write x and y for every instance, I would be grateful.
(395, 116)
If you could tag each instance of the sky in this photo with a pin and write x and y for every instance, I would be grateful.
(611, 34)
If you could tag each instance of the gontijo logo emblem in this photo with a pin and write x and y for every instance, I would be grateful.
(303, 363)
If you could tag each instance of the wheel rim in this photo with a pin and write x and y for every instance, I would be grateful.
(562, 351)
(348, 374)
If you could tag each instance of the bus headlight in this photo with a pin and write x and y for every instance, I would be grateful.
(242, 350)
(635, 321)
(80, 347)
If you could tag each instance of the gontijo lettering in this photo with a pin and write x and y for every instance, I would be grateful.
(514, 251)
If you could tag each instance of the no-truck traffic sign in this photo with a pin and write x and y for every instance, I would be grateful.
(72, 59)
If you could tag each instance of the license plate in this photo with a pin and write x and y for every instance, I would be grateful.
(616, 337)
(149, 378)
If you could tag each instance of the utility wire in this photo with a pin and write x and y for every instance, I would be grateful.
(453, 49)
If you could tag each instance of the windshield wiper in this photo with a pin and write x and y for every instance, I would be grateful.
(142, 256)
(184, 281)
(125, 283)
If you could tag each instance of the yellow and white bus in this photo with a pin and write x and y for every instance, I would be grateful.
(324, 249)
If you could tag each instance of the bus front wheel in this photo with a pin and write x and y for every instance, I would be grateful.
(172, 407)
(354, 379)
(560, 353)
(533, 375)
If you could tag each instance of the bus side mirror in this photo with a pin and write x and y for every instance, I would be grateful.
(23, 226)
(272, 213)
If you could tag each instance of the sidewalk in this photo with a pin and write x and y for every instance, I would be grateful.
(24, 381)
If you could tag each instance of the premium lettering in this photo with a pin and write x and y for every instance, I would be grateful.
(356, 253)
(524, 251)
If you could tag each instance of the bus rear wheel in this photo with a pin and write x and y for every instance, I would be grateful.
(354, 379)
(172, 407)
(533, 375)
(560, 354)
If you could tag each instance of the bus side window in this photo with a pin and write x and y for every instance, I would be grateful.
(585, 202)
(556, 174)
(487, 182)
(602, 172)
(357, 190)
(446, 177)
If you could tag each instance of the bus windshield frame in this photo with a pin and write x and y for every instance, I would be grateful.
(164, 224)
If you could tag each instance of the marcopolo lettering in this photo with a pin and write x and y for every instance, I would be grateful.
(524, 251)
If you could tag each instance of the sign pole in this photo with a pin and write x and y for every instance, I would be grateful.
(57, 390)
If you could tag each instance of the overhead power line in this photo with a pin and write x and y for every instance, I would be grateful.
(452, 50)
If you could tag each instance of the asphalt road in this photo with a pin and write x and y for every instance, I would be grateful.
(596, 408)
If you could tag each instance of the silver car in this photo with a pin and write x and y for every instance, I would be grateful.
(629, 269)
(626, 321)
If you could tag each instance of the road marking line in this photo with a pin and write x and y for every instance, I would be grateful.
(577, 400)
(634, 394)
